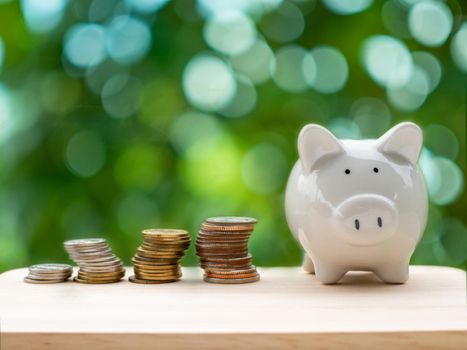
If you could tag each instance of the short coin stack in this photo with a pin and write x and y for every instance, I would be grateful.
(222, 246)
(48, 273)
(157, 260)
(97, 264)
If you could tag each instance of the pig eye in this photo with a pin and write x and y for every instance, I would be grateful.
(347, 171)
(375, 170)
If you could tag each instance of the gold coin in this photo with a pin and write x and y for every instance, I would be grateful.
(95, 281)
(165, 232)
(142, 281)
(151, 270)
(157, 260)
(231, 280)
(231, 271)
(236, 276)
(101, 264)
(161, 276)
(97, 269)
(101, 274)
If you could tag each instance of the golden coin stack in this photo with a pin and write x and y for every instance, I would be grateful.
(48, 273)
(157, 259)
(97, 264)
(222, 247)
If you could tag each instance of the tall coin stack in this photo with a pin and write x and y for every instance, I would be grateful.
(97, 264)
(157, 259)
(222, 247)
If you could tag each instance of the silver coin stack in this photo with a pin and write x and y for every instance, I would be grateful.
(48, 273)
(96, 261)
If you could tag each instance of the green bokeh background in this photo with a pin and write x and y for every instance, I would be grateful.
(158, 174)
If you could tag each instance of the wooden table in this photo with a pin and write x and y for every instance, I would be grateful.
(286, 309)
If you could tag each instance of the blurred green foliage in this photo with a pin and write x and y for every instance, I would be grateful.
(97, 143)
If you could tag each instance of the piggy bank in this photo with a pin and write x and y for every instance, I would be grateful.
(357, 204)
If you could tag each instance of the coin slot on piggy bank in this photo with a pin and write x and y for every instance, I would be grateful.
(357, 204)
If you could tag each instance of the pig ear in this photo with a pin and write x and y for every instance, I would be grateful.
(405, 140)
(315, 142)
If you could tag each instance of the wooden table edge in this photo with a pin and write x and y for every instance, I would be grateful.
(444, 339)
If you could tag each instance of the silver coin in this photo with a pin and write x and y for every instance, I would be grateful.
(49, 275)
(50, 268)
(231, 220)
(33, 281)
(102, 270)
(84, 242)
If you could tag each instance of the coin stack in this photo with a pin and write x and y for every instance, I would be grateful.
(48, 273)
(157, 259)
(222, 247)
(97, 264)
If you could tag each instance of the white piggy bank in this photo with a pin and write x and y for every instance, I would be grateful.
(357, 204)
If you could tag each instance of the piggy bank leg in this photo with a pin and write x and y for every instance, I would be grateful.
(328, 274)
(308, 266)
(395, 274)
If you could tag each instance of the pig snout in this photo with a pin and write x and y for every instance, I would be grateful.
(366, 219)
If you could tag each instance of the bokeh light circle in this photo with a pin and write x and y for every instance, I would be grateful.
(244, 100)
(394, 16)
(191, 127)
(387, 60)
(208, 83)
(459, 47)
(99, 11)
(121, 96)
(413, 94)
(330, 71)
(430, 64)
(288, 73)
(85, 153)
(430, 22)
(344, 128)
(452, 182)
(85, 45)
(444, 178)
(96, 77)
(208, 8)
(371, 115)
(256, 62)
(284, 24)
(230, 32)
(441, 141)
(211, 167)
(43, 16)
(6, 114)
(128, 39)
(430, 171)
(146, 6)
(264, 168)
(346, 7)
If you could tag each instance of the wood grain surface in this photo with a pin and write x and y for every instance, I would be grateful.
(286, 309)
